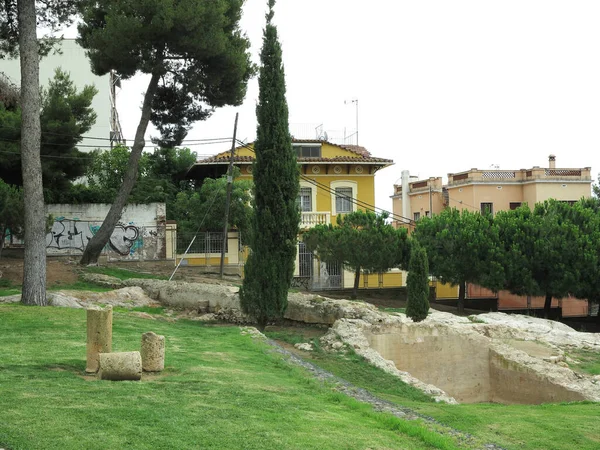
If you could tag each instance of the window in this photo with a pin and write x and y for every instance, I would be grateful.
(308, 151)
(343, 200)
(305, 199)
(417, 216)
(514, 205)
(487, 208)
(427, 214)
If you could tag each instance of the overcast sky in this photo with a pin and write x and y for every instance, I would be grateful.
(442, 86)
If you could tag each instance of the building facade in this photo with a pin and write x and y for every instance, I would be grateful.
(72, 59)
(491, 191)
(334, 179)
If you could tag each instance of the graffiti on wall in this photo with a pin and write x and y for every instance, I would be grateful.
(73, 234)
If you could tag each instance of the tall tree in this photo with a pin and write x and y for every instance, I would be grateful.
(19, 20)
(270, 266)
(34, 258)
(197, 59)
(542, 251)
(417, 283)
(462, 247)
(362, 240)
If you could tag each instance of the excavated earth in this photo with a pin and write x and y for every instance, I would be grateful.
(491, 357)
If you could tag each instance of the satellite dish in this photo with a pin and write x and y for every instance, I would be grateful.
(325, 137)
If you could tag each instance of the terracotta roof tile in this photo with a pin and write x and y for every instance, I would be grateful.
(248, 159)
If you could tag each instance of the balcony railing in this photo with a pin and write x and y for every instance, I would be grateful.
(512, 176)
(310, 219)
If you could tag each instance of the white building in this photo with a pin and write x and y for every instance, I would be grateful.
(72, 59)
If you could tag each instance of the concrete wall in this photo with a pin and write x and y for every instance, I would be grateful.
(514, 383)
(453, 363)
(140, 235)
(74, 61)
(466, 366)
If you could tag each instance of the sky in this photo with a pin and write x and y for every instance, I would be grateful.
(442, 86)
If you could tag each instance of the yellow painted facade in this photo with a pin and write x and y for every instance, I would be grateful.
(329, 167)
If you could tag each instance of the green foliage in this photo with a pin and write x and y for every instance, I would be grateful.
(204, 209)
(196, 47)
(462, 247)
(417, 284)
(66, 116)
(50, 16)
(362, 240)
(160, 178)
(270, 266)
(545, 250)
(11, 211)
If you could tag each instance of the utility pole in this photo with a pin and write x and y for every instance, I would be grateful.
(229, 187)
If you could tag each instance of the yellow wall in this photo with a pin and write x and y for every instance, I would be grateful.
(324, 175)
(443, 290)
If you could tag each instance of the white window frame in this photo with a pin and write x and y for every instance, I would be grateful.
(313, 192)
(343, 184)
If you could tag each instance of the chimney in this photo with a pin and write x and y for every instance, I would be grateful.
(552, 162)
(405, 191)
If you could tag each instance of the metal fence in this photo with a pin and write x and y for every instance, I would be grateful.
(204, 242)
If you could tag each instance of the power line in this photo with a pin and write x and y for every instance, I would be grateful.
(208, 140)
(353, 199)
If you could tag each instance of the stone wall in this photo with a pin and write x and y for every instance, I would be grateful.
(141, 233)
(457, 364)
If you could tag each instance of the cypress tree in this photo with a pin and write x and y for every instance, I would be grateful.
(417, 283)
(274, 230)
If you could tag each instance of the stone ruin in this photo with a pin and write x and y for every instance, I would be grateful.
(119, 366)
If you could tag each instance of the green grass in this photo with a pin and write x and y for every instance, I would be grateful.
(123, 274)
(145, 309)
(220, 390)
(549, 426)
(7, 287)
(78, 286)
(589, 361)
(393, 310)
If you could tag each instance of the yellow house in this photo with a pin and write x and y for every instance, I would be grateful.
(334, 179)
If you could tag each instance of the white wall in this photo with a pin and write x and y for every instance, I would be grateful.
(140, 234)
(74, 61)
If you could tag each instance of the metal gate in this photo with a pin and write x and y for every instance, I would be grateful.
(334, 275)
(305, 269)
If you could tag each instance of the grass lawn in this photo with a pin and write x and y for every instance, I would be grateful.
(220, 390)
(551, 426)
(123, 274)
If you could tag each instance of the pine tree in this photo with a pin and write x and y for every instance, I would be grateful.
(417, 284)
(270, 266)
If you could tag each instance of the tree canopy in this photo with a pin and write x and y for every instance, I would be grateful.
(273, 239)
(197, 58)
(204, 209)
(462, 247)
(65, 117)
(362, 240)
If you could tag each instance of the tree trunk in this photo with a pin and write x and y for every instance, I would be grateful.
(34, 260)
(100, 239)
(356, 282)
(547, 306)
(461, 297)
